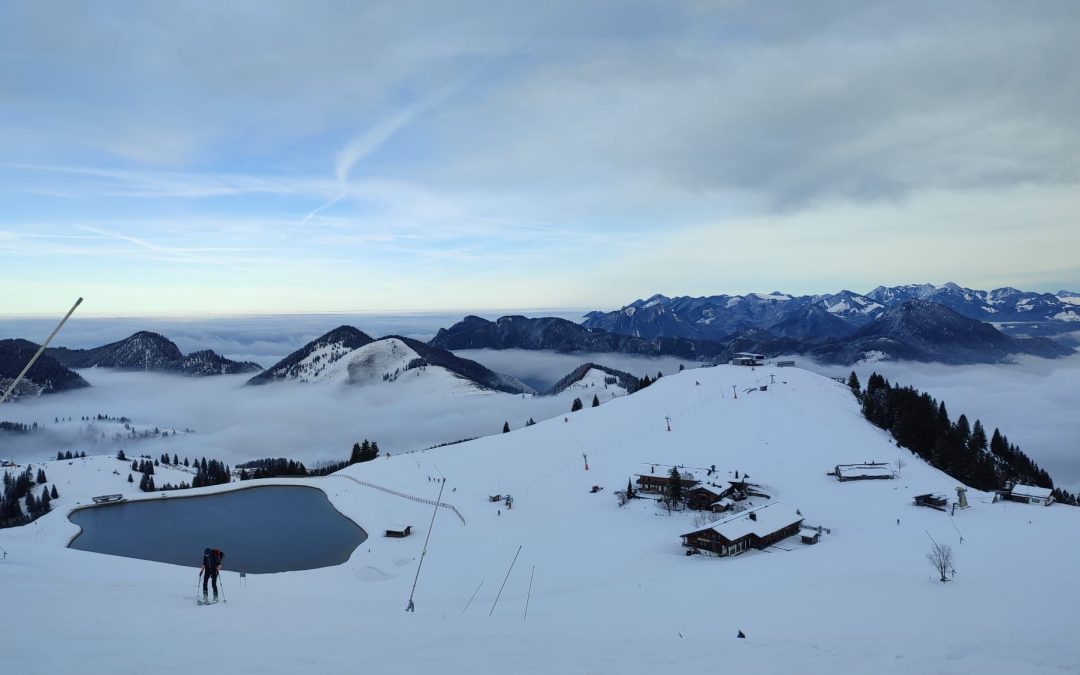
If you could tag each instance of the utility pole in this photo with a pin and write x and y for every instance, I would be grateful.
(668, 423)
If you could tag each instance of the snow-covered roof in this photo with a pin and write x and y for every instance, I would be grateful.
(1031, 491)
(863, 470)
(715, 489)
(807, 532)
(768, 519)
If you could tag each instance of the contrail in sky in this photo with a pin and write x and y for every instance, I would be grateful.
(364, 145)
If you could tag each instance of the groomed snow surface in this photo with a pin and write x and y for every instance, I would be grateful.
(612, 591)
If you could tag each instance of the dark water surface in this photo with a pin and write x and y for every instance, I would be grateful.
(275, 528)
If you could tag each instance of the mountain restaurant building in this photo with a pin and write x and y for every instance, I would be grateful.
(660, 483)
(1029, 494)
(759, 528)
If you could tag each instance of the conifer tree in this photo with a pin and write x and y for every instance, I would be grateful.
(595, 400)
(506, 427)
(41, 479)
(55, 494)
(854, 384)
(576, 405)
(977, 442)
(675, 491)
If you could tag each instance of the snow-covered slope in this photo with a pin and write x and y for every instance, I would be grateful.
(595, 587)
(390, 359)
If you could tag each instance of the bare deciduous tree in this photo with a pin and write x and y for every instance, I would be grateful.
(941, 558)
(703, 518)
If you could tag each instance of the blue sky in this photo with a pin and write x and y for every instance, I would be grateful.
(188, 158)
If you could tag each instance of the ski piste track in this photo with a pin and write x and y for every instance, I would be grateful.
(404, 495)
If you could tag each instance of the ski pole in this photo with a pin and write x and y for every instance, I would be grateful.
(221, 580)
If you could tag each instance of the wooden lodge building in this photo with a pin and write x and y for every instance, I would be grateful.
(659, 483)
(706, 496)
(759, 528)
(867, 471)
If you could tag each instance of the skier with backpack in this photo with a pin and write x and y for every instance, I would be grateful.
(211, 565)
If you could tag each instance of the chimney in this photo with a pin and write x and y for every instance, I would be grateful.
(753, 515)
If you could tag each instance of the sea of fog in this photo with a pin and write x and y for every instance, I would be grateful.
(314, 423)
(1033, 401)
(262, 339)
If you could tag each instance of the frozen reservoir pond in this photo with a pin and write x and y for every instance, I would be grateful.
(278, 528)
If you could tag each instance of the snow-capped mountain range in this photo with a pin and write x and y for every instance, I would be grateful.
(831, 315)
(917, 330)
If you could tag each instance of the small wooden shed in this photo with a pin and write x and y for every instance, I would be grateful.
(398, 531)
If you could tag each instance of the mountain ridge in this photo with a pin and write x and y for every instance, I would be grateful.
(47, 376)
(152, 352)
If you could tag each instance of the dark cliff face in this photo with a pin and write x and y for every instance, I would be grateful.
(151, 352)
(48, 376)
(341, 340)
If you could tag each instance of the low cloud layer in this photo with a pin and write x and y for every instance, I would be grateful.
(1033, 402)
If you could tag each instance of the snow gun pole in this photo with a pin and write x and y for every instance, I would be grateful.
(504, 581)
(529, 596)
(423, 552)
(40, 350)
(471, 599)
